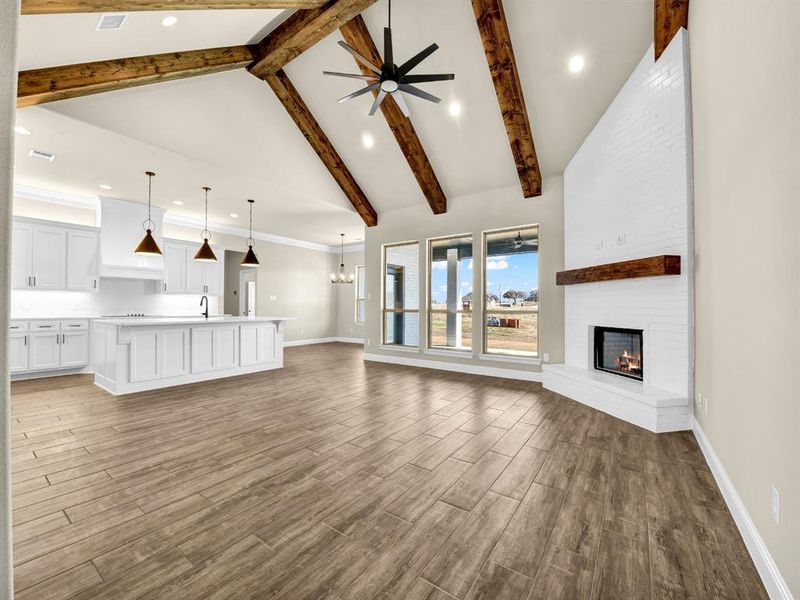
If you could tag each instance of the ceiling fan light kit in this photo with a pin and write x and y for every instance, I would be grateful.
(390, 79)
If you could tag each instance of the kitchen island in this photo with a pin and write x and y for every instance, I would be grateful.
(135, 355)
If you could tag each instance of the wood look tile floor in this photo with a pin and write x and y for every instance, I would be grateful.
(335, 478)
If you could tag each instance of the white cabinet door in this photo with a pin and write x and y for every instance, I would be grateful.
(202, 349)
(74, 349)
(176, 352)
(49, 260)
(21, 256)
(195, 275)
(18, 352)
(145, 354)
(44, 350)
(83, 260)
(174, 268)
(215, 273)
(226, 346)
(257, 344)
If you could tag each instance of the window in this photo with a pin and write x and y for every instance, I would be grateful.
(511, 291)
(450, 293)
(361, 293)
(401, 294)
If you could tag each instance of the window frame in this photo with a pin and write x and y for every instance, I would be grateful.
(361, 271)
(485, 292)
(429, 308)
(384, 310)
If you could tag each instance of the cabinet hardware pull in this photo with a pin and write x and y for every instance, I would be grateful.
(63, 339)
(94, 283)
(45, 326)
(26, 340)
(34, 281)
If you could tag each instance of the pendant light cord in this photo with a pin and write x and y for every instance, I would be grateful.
(390, 14)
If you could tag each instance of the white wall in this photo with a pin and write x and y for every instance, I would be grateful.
(473, 214)
(746, 96)
(627, 194)
(9, 16)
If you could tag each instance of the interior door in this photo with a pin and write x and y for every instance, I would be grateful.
(18, 352)
(49, 260)
(251, 298)
(21, 256)
(74, 349)
(83, 253)
(44, 351)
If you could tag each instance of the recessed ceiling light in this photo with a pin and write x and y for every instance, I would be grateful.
(234, 215)
(177, 202)
(21, 130)
(104, 186)
(367, 140)
(576, 63)
(169, 21)
(455, 109)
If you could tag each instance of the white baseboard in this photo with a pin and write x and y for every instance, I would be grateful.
(456, 367)
(767, 569)
(328, 340)
(55, 373)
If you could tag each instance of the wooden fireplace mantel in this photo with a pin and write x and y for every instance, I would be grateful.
(652, 266)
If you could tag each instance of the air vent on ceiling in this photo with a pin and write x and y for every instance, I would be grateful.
(114, 21)
(42, 155)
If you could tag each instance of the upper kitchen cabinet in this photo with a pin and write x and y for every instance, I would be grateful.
(185, 275)
(52, 256)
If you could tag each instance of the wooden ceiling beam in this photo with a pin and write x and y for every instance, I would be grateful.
(49, 7)
(496, 40)
(670, 16)
(311, 130)
(356, 34)
(39, 86)
(301, 31)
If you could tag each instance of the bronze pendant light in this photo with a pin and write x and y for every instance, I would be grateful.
(250, 259)
(148, 246)
(205, 253)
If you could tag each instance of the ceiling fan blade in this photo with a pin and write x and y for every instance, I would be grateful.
(364, 61)
(401, 103)
(357, 93)
(378, 99)
(416, 59)
(387, 46)
(427, 78)
(351, 75)
(415, 91)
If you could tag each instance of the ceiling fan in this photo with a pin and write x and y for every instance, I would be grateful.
(389, 78)
(518, 243)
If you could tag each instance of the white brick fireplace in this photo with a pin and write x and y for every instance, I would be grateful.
(627, 195)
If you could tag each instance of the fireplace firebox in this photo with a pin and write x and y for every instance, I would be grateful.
(619, 351)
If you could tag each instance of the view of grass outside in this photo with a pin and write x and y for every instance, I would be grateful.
(438, 331)
(522, 340)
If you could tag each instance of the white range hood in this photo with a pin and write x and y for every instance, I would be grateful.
(120, 232)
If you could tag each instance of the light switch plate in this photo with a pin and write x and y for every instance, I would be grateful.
(776, 506)
(546, 357)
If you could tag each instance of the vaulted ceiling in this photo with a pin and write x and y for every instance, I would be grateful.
(229, 131)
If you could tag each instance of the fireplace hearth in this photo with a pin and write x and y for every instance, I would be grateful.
(619, 351)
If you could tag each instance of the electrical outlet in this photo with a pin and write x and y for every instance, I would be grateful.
(620, 239)
(546, 357)
(598, 246)
(705, 404)
(369, 296)
(776, 506)
(301, 332)
(273, 298)
(699, 400)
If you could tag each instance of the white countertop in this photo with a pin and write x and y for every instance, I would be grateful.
(199, 320)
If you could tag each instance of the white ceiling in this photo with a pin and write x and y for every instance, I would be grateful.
(228, 130)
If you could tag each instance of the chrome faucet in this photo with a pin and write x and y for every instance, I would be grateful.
(201, 304)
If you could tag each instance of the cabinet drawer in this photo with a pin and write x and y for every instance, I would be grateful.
(74, 325)
(18, 326)
(44, 325)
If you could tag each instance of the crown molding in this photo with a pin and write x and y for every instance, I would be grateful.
(93, 203)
